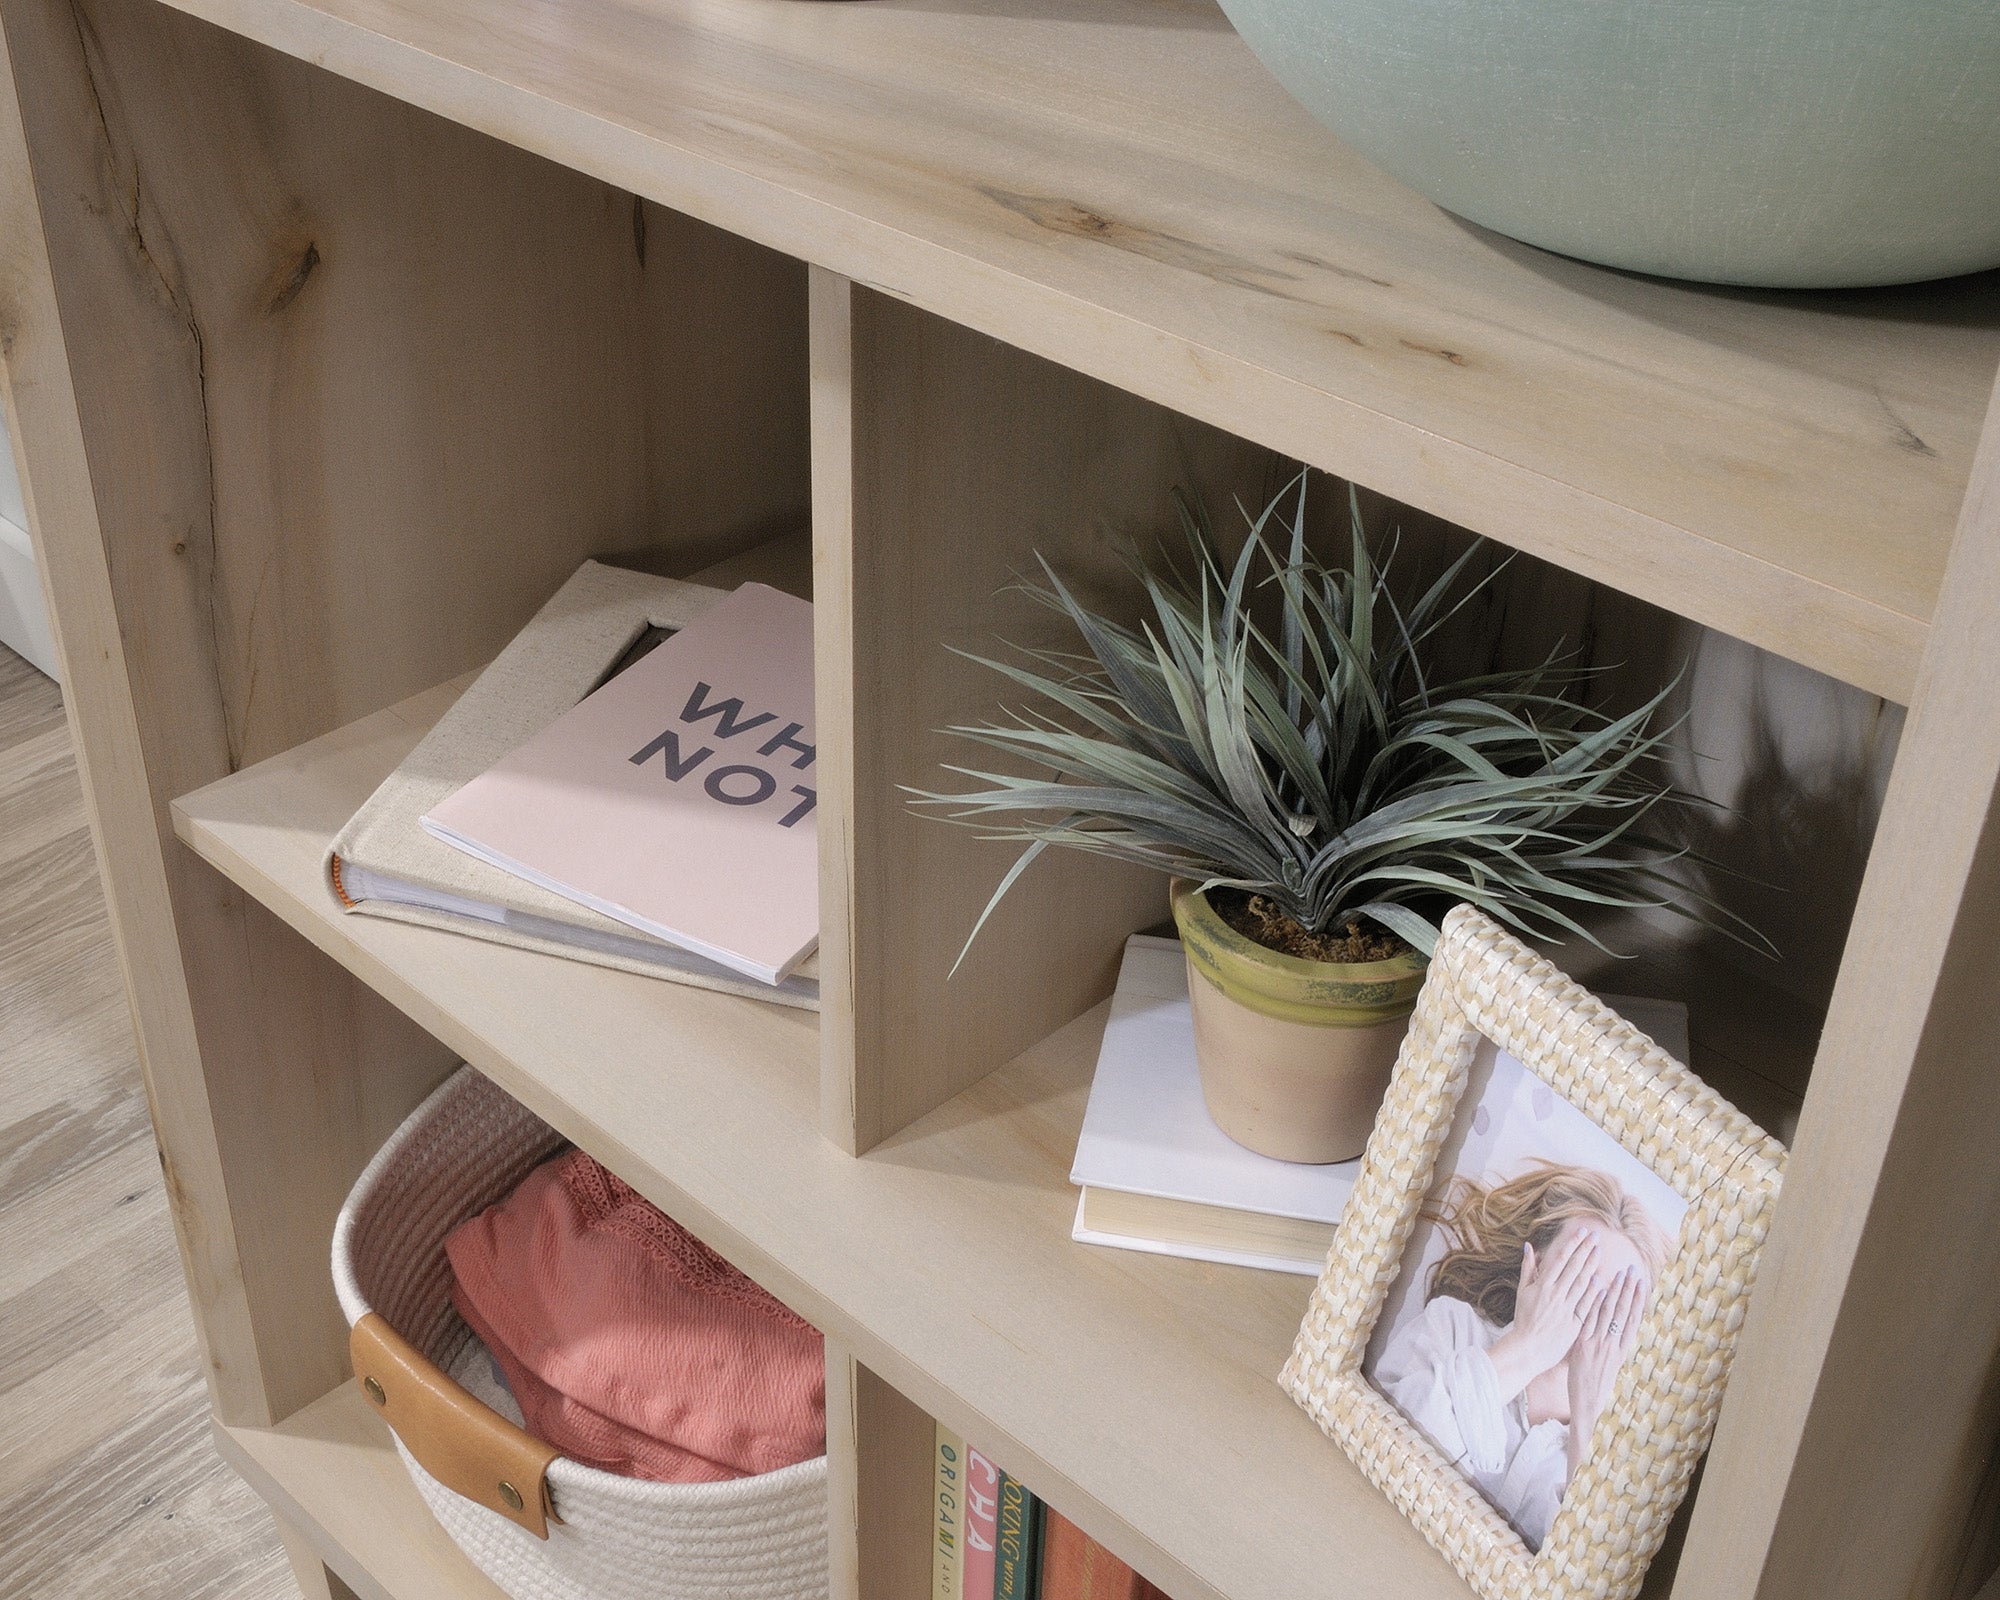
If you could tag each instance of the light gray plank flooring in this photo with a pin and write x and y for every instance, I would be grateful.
(109, 1486)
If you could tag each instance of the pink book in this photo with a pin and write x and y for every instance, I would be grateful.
(982, 1526)
(679, 797)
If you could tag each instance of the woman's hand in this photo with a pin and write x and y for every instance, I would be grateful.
(1554, 1295)
(1609, 1333)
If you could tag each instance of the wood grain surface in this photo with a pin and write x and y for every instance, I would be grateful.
(1120, 186)
(332, 1471)
(321, 393)
(880, 1516)
(1856, 1444)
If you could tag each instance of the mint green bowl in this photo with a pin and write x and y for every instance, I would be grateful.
(1779, 143)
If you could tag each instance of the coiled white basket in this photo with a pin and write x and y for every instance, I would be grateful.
(759, 1538)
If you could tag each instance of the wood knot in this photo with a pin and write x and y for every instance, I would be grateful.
(1061, 216)
(1439, 351)
(290, 279)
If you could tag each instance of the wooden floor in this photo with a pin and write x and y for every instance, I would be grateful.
(109, 1486)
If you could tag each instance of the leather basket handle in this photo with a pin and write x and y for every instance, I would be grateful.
(467, 1446)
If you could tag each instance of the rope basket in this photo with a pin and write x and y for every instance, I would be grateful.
(609, 1537)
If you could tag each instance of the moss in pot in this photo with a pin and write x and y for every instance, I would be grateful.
(1275, 737)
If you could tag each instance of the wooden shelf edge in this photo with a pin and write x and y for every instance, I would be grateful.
(332, 1472)
(1819, 618)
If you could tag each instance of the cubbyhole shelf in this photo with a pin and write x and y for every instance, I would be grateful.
(942, 1259)
(1118, 1384)
(323, 416)
(1122, 1386)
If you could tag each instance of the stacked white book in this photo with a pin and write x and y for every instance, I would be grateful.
(1158, 1175)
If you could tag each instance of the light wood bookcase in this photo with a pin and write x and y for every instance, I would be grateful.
(337, 332)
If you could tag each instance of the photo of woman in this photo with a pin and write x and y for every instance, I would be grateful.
(1530, 1305)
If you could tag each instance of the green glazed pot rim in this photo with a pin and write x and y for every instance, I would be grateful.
(1346, 994)
(1191, 906)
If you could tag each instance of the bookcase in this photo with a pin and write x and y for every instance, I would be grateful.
(338, 332)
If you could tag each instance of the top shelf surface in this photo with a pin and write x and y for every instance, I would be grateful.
(1120, 186)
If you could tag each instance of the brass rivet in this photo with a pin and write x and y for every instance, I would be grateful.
(510, 1494)
(375, 1391)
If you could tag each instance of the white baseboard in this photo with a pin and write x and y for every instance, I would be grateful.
(24, 623)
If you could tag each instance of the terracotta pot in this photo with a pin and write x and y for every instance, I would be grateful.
(1295, 1055)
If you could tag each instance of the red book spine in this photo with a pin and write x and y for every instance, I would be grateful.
(1076, 1567)
(982, 1526)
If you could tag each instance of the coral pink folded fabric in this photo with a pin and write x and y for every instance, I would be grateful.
(630, 1345)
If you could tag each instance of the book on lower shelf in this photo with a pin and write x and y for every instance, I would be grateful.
(947, 1514)
(982, 1527)
(1076, 1567)
(1017, 1545)
(993, 1538)
(1158, 1175)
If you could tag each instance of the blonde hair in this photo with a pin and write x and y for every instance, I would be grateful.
(1486, 1228)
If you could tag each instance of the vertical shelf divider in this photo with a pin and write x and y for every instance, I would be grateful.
(1877, 1306)
(944, 464)
(879, 1485)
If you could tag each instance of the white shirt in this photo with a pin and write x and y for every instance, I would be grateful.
(1438, 1373)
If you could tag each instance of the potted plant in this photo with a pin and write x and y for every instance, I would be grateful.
(1276, 738)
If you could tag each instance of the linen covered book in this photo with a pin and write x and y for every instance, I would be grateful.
(1158, 1175)
(383, 863)
(679, 798)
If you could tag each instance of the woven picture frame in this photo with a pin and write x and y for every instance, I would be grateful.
(1484, 983)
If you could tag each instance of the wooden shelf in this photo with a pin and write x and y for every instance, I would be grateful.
(332, 1472)
(1119, 186)
(942, 1260)
(330, 360)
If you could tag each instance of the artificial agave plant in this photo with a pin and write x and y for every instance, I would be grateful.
(1273, 726)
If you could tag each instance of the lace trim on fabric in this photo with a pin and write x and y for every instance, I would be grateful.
(608, 1202)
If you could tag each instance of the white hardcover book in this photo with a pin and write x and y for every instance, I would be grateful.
(1158, 1175)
